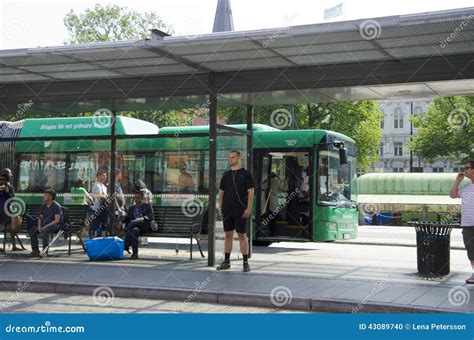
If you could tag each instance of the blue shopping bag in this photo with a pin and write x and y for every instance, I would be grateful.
(105, 248)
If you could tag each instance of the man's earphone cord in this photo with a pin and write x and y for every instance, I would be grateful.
(235, 188)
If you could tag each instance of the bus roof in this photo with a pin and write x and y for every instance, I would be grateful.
(406, 183)
(205, 128)
(85, 126)
(266, 136)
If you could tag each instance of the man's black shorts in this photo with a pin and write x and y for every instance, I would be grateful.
(233, 220)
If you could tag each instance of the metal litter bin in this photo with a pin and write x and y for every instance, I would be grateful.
(433, 247)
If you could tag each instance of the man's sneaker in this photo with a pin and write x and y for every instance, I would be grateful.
(134, 257)
(246, 267)
(34, 254)
(224, 265)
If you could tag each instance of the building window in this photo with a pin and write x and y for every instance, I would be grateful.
(398, 170)
(398, 118)
(381, 150)
(398, 149)
(438, 169)
(457, 170)
(417, 169)
(382, 123)
(417, 110)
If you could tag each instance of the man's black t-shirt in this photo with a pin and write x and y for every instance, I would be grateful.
(235, 184)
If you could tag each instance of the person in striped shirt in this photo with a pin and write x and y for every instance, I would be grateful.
(466, 194)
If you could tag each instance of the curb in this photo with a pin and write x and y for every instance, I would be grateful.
(219, 297)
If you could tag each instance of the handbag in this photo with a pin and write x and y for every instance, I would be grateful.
(154, 225)
(16, 222)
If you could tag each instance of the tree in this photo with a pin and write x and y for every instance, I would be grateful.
(115, 23)
(359, 120)
(446, 130)
(111, 23)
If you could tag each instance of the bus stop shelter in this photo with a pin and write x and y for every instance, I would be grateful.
(419, 55)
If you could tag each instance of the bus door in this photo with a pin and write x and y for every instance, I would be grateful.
(284, 195)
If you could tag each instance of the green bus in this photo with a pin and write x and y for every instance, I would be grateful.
(315, 200)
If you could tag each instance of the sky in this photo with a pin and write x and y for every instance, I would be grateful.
(34, 23)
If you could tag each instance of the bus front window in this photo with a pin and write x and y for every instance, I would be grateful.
(334, 178)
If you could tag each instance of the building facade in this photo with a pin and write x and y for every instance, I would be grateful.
(397, 129)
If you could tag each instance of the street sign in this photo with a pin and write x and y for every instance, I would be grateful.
(333, 12)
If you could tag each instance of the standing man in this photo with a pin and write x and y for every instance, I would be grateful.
(6, 192)
(100, 207)
(466, 193)
(236, 193)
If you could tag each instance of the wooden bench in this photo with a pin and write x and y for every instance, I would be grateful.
(173, 222)
(73, 223)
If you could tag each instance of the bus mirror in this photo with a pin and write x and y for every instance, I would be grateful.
(342, 156)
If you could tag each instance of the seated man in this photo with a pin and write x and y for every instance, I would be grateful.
(48, 222)
(138, 221)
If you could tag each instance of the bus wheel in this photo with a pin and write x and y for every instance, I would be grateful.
(261, 243)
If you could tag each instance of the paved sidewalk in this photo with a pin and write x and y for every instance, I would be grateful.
(324, 277)
(397, 236)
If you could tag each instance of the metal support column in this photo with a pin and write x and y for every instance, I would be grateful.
(211, 242)
(113, 166)
(250, 168)
(411, 135)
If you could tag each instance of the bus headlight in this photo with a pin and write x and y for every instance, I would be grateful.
(331, 226)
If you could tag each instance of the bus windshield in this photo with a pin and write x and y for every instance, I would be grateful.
(334, 178)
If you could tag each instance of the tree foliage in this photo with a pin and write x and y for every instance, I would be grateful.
(447, 130)
(358, 120)
(115, 23)
(111, 23)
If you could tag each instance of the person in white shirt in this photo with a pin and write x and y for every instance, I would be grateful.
(466, 194)
(101, 214)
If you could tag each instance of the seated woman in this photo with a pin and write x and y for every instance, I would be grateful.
(138, 221)
(80, 194)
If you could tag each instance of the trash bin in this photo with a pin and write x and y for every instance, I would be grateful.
(433, 247)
